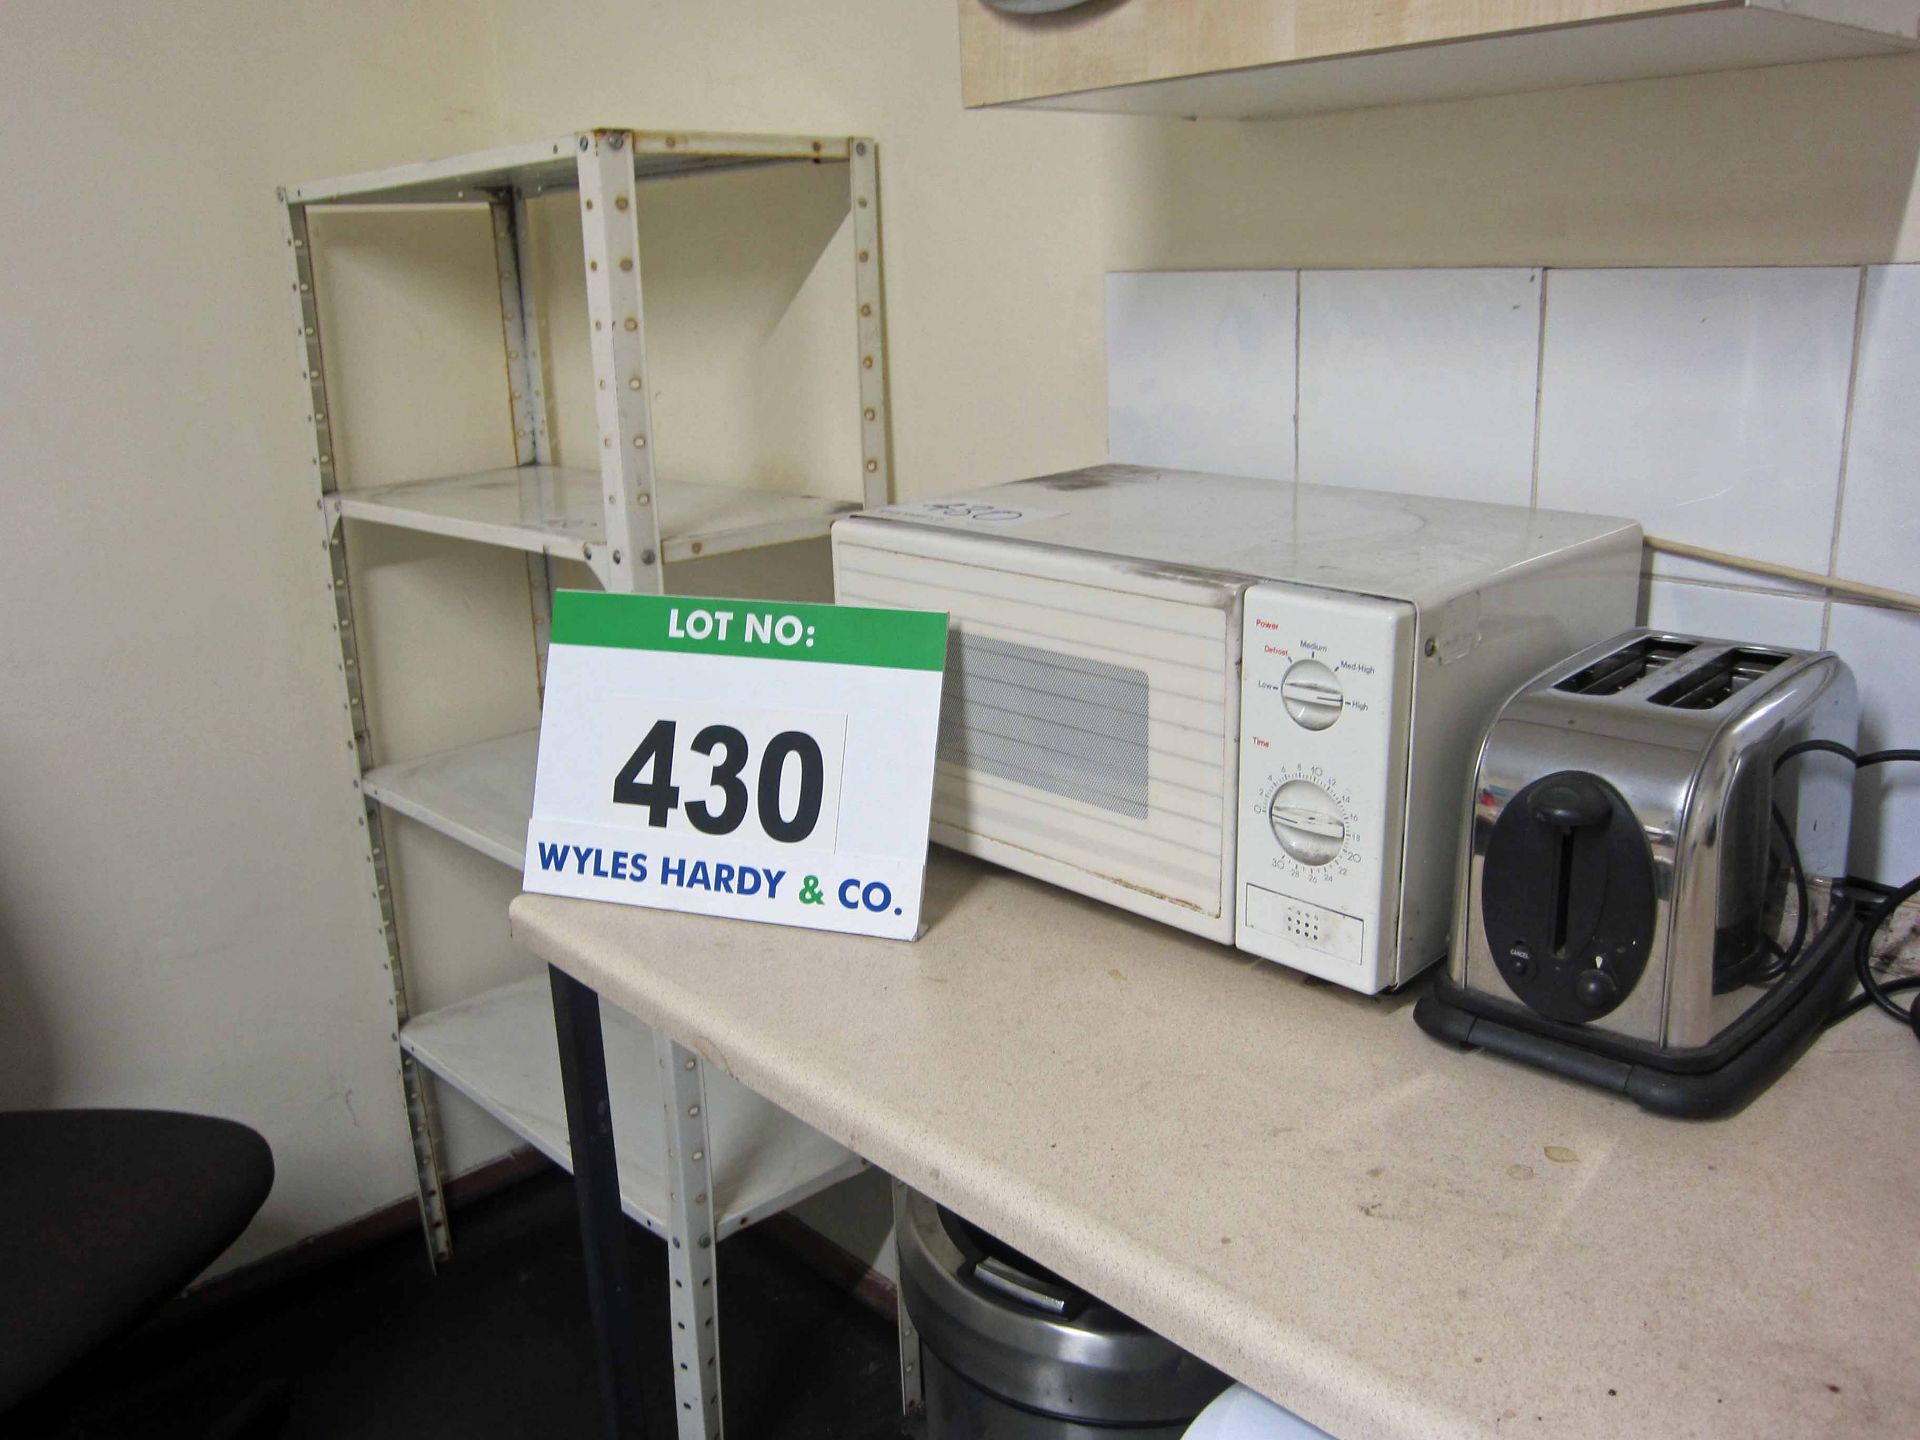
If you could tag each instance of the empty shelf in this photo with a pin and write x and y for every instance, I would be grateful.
(553, 165)
(499, 1050)
(481, 795)
(552, 511)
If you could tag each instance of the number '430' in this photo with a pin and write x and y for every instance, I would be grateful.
(646, 780)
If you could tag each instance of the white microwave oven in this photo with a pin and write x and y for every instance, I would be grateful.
(1246, 708)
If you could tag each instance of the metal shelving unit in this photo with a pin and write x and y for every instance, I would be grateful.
(684, 1135)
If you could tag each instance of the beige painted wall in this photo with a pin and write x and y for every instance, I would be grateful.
(183, 917)
(182, 914)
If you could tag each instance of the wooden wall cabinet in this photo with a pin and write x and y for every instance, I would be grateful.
(1251, 59)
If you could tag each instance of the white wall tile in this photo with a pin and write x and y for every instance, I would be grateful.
(1880, 511)
(1420, 380)
(1708, 404)
(1722, 614)
(1200, 369)
(1883, 647)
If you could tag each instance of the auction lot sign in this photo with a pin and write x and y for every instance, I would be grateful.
(752, 759)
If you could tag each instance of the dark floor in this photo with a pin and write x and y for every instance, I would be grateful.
(497, 1344)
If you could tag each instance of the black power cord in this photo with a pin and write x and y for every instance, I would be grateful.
(1874, 990)
(1864, 1001)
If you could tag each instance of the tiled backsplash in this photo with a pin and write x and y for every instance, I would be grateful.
(1239, 323)
(1770, 412)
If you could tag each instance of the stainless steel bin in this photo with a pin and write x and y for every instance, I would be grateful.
(1011, 1351)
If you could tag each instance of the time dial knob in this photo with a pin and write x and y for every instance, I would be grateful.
(1307, 822)
(1311, 692)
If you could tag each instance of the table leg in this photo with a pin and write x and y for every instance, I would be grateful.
(596, 1188)
(694, 1300)
(911, 1400)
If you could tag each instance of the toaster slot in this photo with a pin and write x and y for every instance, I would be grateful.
(1723, 676)
(1625, 666)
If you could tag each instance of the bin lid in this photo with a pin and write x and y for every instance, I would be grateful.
(1027, 1335)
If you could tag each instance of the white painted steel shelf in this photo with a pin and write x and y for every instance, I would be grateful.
(540, 165)
(499, 1050)
(558, 512)
(480, 795)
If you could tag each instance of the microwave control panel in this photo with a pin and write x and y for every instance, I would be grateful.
(1324, 697)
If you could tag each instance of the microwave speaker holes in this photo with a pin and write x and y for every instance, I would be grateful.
(1304, 924)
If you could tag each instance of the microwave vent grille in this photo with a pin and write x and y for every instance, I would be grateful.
(1064, 724)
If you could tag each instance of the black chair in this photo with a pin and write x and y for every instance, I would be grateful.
(105, 1215)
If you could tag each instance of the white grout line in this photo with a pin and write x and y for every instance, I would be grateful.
(1539, 389)
(1846, 451)
(1106, 354)
(1297, 367)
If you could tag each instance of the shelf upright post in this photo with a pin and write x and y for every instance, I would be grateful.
(876, 443)
(694, 1301)
(912, 1396)
(421, 1121)
(526, 386)
(631, 561)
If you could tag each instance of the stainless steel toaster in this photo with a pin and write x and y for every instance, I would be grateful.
(1640, 901)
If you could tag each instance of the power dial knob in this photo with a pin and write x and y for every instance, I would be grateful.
(1307, 822)
(1311, 692)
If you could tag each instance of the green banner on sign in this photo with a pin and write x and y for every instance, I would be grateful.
(761, 629)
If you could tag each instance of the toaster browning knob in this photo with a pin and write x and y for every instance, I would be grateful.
(1597, 990)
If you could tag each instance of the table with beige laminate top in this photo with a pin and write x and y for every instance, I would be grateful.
(1389, 1237)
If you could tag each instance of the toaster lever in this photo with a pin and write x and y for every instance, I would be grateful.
(1572, 803)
